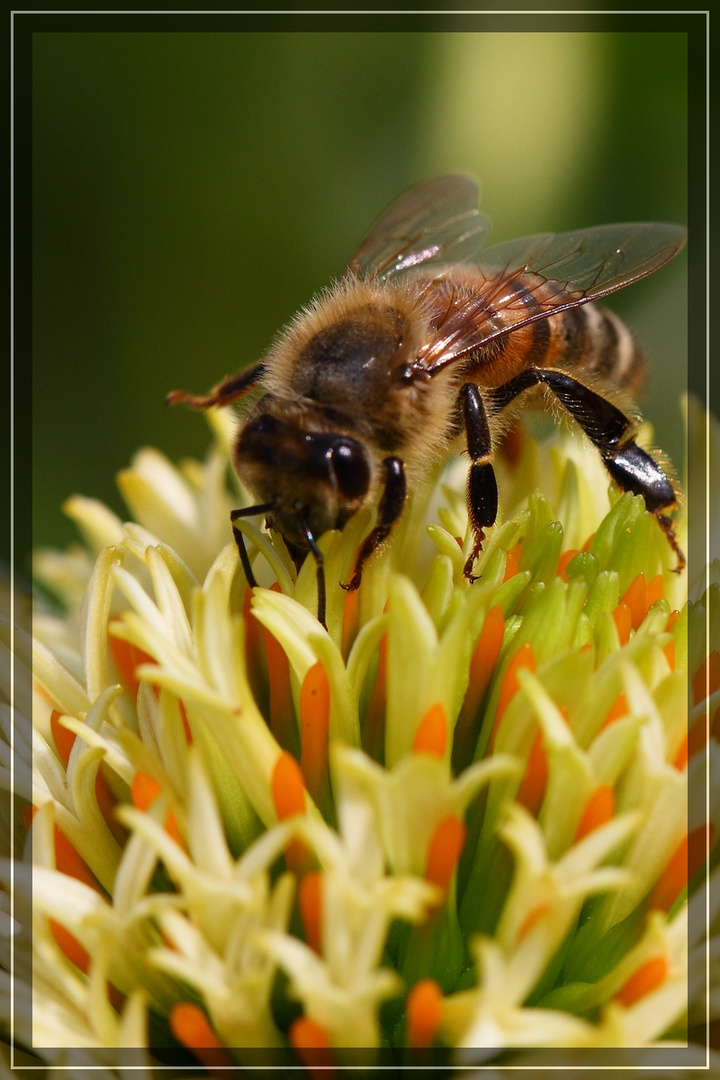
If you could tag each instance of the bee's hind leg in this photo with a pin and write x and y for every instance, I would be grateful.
(389, 511)
(482, 492)
(632, 468)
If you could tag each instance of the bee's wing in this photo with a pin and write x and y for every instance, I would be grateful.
(436, 221)
(536, 276)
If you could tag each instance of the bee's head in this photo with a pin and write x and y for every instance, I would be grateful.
(315, 480)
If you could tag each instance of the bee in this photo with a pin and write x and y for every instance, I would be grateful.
(426, 344)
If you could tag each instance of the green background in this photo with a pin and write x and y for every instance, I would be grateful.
(192, 190)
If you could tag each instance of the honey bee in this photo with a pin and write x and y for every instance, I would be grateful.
(426, 344)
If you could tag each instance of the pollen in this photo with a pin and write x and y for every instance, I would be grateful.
(623, 619)
(482, 666)
(424, 1012)
(127, 658)
(312, 1044)
(288, 789)
(67, 861)
(512, 562)
(648, 977)
(564, 561)
(310, 902)
(636, 599)
(374, 727)
(288, 795)
(444, 849)
(282, 716)
(144, 791)
(192, 1029)
(432, 734)
(69, 946)
(707, 678)
(314, 731)
(690, 854)
(534, 781)
(599, 809)
(618, 709)
(523, 658)
(62, 738)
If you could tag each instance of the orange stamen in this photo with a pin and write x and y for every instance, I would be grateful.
(564, 561)
(669, 651)
(282, 715)
(681, 758)
(127, 658)
(619, 709)
(192, 1029)
(647, 978)
(70, 946)
(432, 733)
(534, 781)
(314, 731)
(172, 829)
(67, 861)
(686, 860)
(288, 795)
(484, 659)
(697, 737)
(62, 738)
(635, 596)
(655, 590)
(312, 1045)
(532, 918)
(707, 677)
(599, 809)
(622, 617)
(512, 562)
(350, 620)
(374, 727)
(523, 658)
(287, 787)
(254, 658)
(446, 844)
(144, 791)
(106, 803)
(310, 902)
(423, 1013)
(672, 619)
(28, 813)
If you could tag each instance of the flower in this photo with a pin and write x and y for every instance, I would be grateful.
(456, 819)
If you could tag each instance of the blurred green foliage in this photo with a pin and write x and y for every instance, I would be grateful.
(192, 190)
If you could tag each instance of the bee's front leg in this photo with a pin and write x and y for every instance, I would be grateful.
(390, 509)
(482, 492)
(227, 391)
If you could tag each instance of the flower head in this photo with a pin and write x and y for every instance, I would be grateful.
(457, 817)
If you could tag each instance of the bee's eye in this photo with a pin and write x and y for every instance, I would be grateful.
(351, 468)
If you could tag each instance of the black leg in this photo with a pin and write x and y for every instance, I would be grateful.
(390, 509)
(318, 556)
(246, 511)
(482, 492)
(631, 467)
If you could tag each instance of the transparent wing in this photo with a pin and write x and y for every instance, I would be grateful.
(531, 278)
(434, 222)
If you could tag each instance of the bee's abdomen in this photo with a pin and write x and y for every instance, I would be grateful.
(592, 340)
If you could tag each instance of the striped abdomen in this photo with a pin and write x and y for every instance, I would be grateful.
(585, 339)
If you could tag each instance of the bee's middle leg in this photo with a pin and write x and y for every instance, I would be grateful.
(482, 492)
